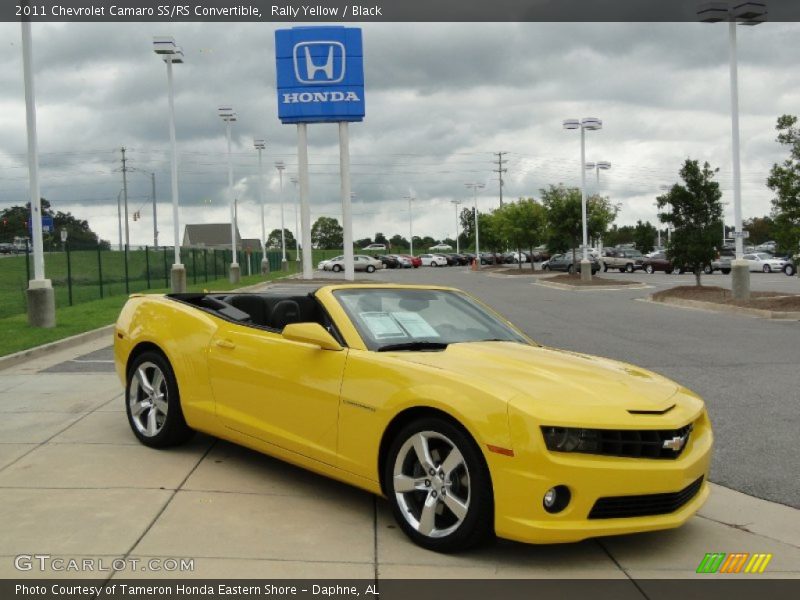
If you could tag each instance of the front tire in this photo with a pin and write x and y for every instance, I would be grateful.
(708, 270)
(629, 268)
(336, 268)
(649, 269)
(152, 403)
(789, 270)
(370, 269)
(439, 486)
(767, 269)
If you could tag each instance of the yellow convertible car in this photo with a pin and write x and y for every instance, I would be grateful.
(423, 395)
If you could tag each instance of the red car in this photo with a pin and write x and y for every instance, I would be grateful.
(416, 261)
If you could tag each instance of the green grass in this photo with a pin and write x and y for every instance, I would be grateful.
(71, 320)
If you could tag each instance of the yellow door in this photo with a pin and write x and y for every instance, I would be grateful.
(285, 393)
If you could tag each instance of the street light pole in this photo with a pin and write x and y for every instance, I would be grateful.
(592, 124)
(457, 203)
(746, 13)
(280, 166)
(166, 47)
(475, 187)
(259, 146)
(410, 226)
(40, 295)
(228, 115)
(601, 165)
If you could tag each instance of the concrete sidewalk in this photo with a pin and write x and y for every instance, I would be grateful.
(75, 483)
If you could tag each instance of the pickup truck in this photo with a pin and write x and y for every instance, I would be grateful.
(626, 260)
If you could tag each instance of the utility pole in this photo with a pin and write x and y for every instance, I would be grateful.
(457, 203)
(500, 170)
(125, 196)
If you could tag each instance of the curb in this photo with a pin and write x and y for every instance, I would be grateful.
(22, 356)
(725, 308)
(591, 288)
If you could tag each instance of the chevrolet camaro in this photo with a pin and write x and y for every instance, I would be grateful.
(423, 395)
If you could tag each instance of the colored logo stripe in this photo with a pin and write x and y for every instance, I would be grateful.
(720, 562)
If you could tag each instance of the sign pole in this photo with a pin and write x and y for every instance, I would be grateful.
(347, 217)
(305, 212)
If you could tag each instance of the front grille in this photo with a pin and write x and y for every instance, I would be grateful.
(632, 443)
(617, 507)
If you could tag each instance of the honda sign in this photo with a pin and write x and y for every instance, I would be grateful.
(320, 72)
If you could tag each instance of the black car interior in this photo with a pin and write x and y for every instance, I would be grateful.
(272, 309)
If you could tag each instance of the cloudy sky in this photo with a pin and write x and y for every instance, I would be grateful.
(441, 99)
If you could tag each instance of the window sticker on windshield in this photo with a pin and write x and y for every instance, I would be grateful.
(382, 326)
(415, 325)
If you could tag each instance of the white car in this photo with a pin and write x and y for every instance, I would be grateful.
(433, 260)
(761, 261)
(361, 262)
(375, 247)
(441, 248)
(325, 263)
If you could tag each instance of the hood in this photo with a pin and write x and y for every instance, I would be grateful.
(556, 376)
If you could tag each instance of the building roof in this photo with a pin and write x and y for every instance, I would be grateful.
(209, 234)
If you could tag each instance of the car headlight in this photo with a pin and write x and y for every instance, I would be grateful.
(571, 439)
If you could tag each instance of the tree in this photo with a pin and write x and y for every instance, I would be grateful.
(695, 212)
(565, 220)
(14, 223)
(467, 221)
(274, 239)
(397, 241)
(784, 180)
(761, 229)
(522, 224)
(644, 236)
(327, 234)
(381, 239)
(362, 243)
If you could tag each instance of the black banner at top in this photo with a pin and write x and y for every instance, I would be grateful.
(333, 11)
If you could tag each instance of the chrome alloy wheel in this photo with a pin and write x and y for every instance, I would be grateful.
(431, 484)
(148, 400)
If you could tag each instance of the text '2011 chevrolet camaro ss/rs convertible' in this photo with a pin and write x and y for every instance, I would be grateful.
(426, 396)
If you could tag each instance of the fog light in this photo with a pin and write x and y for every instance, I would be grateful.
(556, 499)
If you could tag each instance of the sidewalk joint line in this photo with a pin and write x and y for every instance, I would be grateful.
(621, 568)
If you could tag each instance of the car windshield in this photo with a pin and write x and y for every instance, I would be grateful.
(421, 319)
(764, 256)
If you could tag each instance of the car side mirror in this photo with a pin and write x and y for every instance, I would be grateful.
(310, 333)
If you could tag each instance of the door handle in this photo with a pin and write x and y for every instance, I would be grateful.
(227, 344)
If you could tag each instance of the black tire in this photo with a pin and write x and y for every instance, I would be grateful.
(668, 271)
(336, 268)
(649, 269)
(605, 268)
(621, 270)
(370, 269)
(173, 429)
(708, 270)
(767, 269)
(434, 263)
(725, 271)
(629, 268)
(789, 270)
(546, 268)
(477, 526)
(570, 269)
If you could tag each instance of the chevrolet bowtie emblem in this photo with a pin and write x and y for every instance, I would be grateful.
(676, 443)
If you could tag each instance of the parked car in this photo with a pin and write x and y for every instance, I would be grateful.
(416, 261)
(469, 256)
(375, 247)
(541, 253)
(6, 248)
(459, 259)
(405, 262)
(563, 262)
(766, 263)
(633, 446)
(361, 262)
(389, 261)
(657, 262)
(490, 258)
(790, 268)
(627, 260)
(440, 248)
(324, 263)
(449, 258)
(433, 260)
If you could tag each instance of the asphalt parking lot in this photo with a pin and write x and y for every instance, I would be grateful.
(76, 483)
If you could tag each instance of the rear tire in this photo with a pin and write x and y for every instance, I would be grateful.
(439, 486)
(570, 269)
(649, 269)
(725, 271)
(629, 268)
(708, 270)
(370, 269)
(152, 402)
(336, 268)
(789, 270)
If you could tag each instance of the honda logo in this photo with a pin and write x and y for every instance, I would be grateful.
(319, 62)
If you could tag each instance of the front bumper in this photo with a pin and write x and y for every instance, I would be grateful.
(520, 483)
